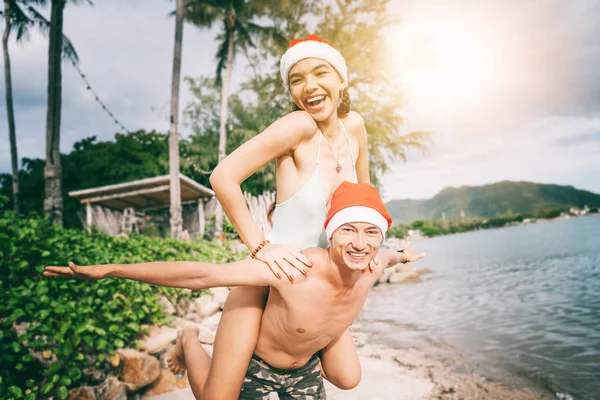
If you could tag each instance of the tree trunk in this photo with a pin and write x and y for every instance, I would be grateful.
(176, 221)
(223, 120)
(53, 202)
(9, 108)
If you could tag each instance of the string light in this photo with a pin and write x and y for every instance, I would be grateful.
(89, 87)
(117, 122)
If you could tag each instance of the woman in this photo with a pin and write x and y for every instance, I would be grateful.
(316, 148)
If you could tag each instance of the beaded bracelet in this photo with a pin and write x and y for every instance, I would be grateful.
(259, 247)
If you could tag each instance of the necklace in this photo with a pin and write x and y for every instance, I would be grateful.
(338, 166)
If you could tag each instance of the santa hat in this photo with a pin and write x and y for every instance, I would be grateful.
(356, 202)
(311, 47)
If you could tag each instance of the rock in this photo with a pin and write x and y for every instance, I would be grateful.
(211, 323)
(206, 336)
(158, 339)
(398, 277)
(402, 268)
(206, 306)
(166, 382)
(385, 276)
(82, 393)
(185, 236)
(137, 369)
(111, 389)
(192, 317)
(167, 306)
(220, 295)
(423, 271)
(95, 375)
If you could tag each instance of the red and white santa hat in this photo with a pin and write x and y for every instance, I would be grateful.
(311, 46)
(357, 202)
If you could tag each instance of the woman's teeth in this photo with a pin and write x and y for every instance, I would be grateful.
(315, 100)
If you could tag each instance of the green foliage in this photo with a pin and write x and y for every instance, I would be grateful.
(493, 200)
(74, 324)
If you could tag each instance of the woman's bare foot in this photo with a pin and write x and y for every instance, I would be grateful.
(176, 359)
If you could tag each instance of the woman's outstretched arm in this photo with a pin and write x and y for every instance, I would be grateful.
(193, 275)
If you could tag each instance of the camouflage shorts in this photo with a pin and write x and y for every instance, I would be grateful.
(304, 383)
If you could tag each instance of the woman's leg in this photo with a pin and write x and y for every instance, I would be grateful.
(189, 354)
(340, 364)
(235, 342)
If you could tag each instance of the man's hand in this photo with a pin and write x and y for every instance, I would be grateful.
(410, 256)
(75, 271)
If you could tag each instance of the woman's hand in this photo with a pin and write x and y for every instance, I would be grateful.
(75, 271)
(286, 259)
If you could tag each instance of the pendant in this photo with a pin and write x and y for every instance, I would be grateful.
(338, 168)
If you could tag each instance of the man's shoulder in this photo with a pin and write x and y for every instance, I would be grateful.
(316, 255)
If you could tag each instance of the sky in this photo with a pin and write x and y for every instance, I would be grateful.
(510, 90)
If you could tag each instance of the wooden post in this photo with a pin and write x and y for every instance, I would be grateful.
(201, 219)
(88, 215)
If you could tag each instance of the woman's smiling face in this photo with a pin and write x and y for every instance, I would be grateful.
(315, 87)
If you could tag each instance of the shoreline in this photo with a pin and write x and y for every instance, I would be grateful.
(419, 237)
(421, 373)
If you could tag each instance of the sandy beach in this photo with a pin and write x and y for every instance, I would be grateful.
(411, 374)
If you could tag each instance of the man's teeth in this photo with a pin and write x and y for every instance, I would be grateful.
(315, 99)
(360, 255)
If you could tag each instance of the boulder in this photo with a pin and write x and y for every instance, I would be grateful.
(82, 393)
(220, 295)
(111, 389)
(211, 323)
(402, 268)
(398, 277)
(158, 338)
(423, 271)
(206, 335)
(206, 306)
(137, 369)
(385, 276)
(167, 306)
(166, 382)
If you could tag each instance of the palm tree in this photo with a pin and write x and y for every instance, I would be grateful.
(20, 16)
(236, 18)
(53, 201)
(175, 190)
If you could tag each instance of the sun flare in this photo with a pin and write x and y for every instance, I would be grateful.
(444, 65)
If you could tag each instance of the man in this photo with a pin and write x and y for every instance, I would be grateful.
(301, 320)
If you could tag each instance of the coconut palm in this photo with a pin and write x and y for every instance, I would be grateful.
(20, 16)
(53, 201)
(238, 30)
(175, 190)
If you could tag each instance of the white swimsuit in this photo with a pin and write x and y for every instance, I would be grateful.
(299, 221)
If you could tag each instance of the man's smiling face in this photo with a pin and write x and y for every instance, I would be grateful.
(356, 243)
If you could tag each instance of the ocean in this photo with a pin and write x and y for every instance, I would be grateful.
(523, 302)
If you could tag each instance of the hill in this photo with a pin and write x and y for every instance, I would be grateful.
(490, 201)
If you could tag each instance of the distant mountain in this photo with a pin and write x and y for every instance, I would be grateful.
(491, 200)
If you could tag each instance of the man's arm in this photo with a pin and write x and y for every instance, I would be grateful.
(389, 258)
(183, 274)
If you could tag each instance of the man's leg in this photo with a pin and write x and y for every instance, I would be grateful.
(235, 342)
(340, 363)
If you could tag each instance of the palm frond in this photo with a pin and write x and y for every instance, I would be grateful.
(19, 20)
(202, 13)
(243, 35)
(68, 51)
(222, 57)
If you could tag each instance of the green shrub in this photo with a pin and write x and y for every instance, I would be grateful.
(74, 324)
